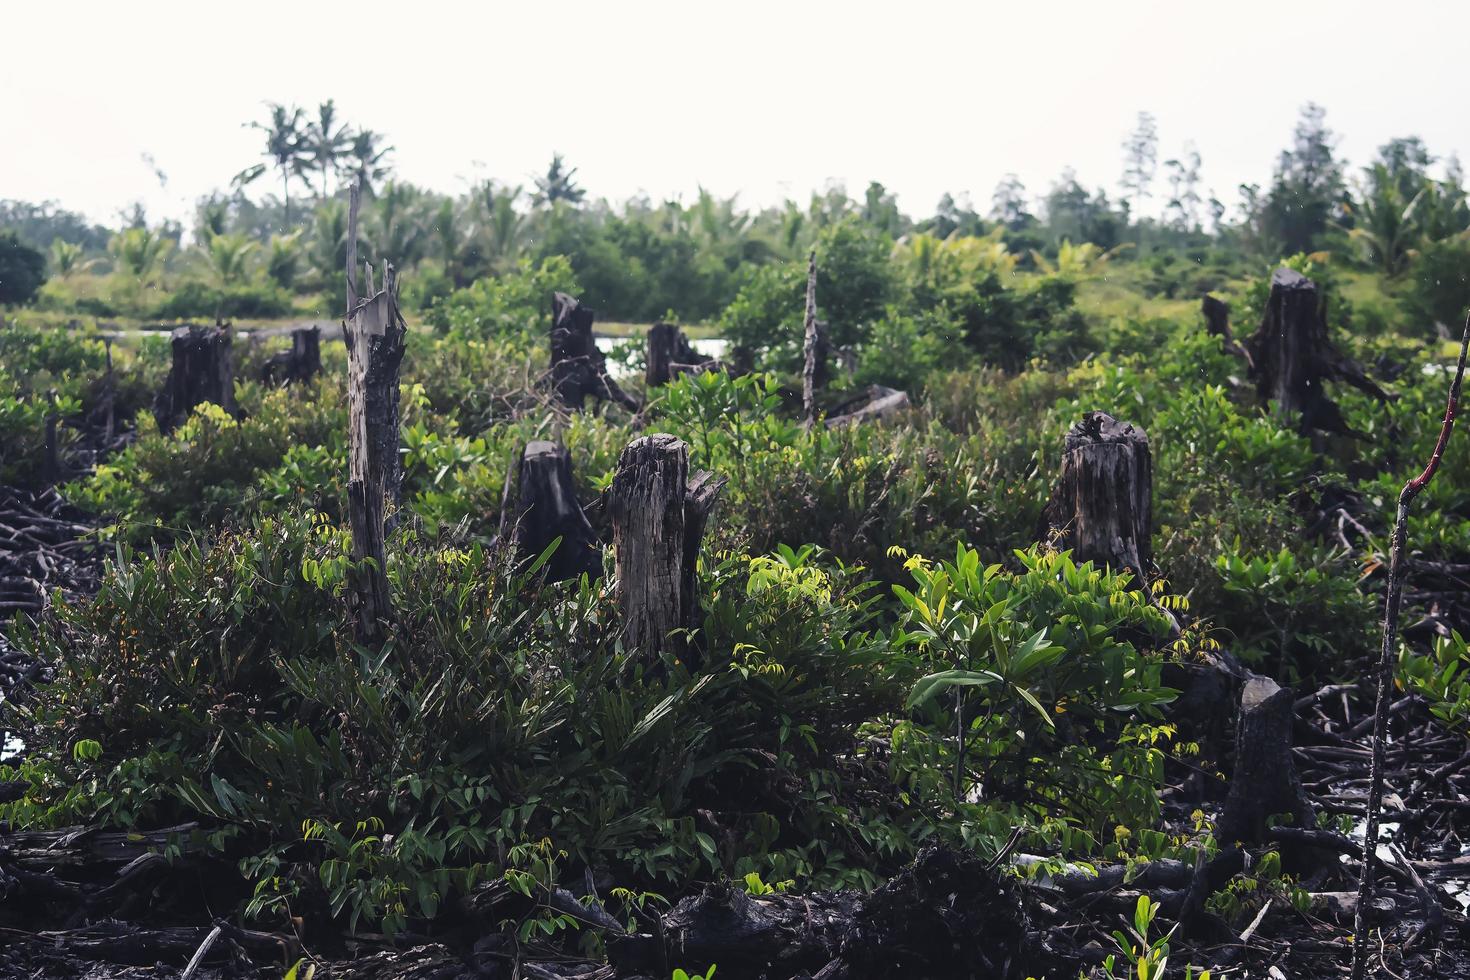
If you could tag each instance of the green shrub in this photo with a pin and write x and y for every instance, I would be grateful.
(22, 270)
(193, 299)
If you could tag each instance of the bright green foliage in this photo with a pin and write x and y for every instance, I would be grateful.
(1295, 613)
(513, 306)
(1442, 676)
(1030, 672)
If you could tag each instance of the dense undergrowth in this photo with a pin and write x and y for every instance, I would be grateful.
(888, 656)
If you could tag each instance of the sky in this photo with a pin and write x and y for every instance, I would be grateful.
(762, 99)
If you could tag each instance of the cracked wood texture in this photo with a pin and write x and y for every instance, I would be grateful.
(374, 332)
(202, 371)
(1102, 507)
(1291, 358)
(658, 515)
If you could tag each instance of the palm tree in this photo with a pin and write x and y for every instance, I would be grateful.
(400, 232)
(327, 141)
(557, 185)
(284, 260)
(67, 260)
(1386, 223)
(227, 258)
(285, 146)
(328, 252)
(139, 252)
(447, 232)
(501, 226)
(367, 160)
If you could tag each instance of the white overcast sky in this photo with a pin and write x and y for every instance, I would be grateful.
(767, 99)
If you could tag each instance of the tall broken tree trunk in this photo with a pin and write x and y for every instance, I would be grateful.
(202, 371)
(299, 364)
(810, 344)
(578, 368)
(545, 508)
(1291, 357)
(1264, 783)
(667, 347)
(374, 332)
(658, 515)
(1102, 507)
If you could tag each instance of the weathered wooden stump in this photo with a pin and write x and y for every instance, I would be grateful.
(1291, 357)
(299, 364)
(1217, 323)
(578, 368)
(1264, 782)
(374, 332)
(667, 346)
(1102, 507)
(545, 508)
(202, 371)
(658, 515)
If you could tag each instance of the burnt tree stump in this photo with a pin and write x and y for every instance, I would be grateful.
(578, 368)
(299, 364)
(374, 331)
(545, 508)
(1102, 507)
(1291, 358)
(1264, 782)
(1217, 324)
(658, 516)
(667, 346)
(202, 371)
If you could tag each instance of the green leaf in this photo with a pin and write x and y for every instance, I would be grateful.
(933, 684)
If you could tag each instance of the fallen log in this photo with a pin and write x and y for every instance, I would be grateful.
(879, 402)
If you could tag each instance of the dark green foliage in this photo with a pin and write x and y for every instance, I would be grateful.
(22, 270)
(1438, 289)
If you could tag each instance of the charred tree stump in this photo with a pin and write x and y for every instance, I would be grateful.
(578, 368)
(1264, 782)
(202, 371)
(658, 515)
(667, 347)
(809, 344)
(299, 364)
(51, 459)
(1291, 358)
(1102, 507)
(374, 332)
(545, 508)
(1217, 323)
